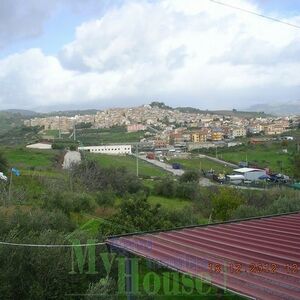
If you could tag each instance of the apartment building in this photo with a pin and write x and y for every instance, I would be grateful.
(238, 132)
(217, 135)
(136, 127)
(198, 137)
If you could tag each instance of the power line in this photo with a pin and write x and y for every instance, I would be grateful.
(255, 13)
(50, 246)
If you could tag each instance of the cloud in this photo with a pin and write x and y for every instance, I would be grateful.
(23, 19)
(181, 52)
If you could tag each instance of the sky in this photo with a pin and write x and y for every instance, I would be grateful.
(79, 54)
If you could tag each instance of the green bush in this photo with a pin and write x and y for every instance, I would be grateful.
(165, 188)
(106, 198)
(245, 211)
(225, 202)
(190, 176)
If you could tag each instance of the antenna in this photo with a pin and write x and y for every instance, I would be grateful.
(137, 159)
(74, 130)
(59, 128)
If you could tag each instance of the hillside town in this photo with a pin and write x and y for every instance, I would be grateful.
(167, 126)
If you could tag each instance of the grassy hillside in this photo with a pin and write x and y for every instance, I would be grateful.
(111, 135)
(269, 155)
(9, 120)
(129, 162)
(202, 163)
(26, 159)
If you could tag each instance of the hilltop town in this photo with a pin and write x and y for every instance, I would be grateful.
(164, 126)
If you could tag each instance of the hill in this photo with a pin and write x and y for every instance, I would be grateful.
(21, 112)
(287, 108)
(234, 112)
(9, 120)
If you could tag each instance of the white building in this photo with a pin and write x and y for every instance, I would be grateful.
(41, 146)
(238, 132)
(250, 173)
(108, 149)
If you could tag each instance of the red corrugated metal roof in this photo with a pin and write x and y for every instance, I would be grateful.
(259, 258)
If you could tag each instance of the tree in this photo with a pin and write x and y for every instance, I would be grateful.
(166, 188)
(136, 213)
(95, 178)
(3, 163)
(190, 176)
(225, 202)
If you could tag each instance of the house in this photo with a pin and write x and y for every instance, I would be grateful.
(250, 173)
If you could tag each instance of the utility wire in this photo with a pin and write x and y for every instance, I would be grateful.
(255, 13)
(50, 246)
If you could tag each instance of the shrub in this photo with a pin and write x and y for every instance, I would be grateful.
(165, 188)
(105, 198)
(225, 202)
(190, 176)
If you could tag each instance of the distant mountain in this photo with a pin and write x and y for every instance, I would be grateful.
(22, 112)
(280, 109)
(9, 120)
(72, 113)
(29, 113)
(234, 112)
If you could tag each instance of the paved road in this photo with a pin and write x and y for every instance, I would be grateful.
(71, 158)
(205, 182)
(161, 165)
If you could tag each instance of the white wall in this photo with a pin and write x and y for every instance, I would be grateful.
(108, 149)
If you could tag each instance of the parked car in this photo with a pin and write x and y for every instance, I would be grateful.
(176, 166)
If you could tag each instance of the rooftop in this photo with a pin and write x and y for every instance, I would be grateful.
(246, 170)
(257, 258)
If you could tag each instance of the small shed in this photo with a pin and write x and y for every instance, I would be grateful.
(235, 179)
(250, 173)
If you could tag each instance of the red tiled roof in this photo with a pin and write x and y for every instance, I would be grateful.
(258, 258)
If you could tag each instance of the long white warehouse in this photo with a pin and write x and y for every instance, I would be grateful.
(108, 149)
(250, 173)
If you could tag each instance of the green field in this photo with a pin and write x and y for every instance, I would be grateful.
(201, 163)
(111, 135)
(54, 133)
(263, 156)
(27, 158)
(129, 162)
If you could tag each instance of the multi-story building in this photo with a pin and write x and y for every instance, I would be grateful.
(273, 129)
(136, 127)
(198, 137)
(238, 132)
(217, 135)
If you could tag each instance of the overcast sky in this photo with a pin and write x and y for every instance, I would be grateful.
(67, 54)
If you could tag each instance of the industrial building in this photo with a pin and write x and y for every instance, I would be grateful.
(250, 173)
(108, 149)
